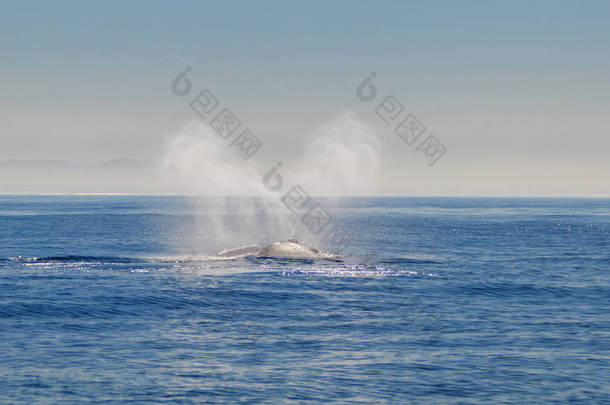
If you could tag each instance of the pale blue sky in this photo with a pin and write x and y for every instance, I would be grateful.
(518, 91)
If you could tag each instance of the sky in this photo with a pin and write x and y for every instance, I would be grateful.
(517, 93)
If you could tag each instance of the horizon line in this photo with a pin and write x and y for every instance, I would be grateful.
(541, 196)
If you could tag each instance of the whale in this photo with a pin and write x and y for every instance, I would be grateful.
(290, 248)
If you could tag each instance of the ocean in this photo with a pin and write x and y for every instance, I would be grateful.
(120, 299)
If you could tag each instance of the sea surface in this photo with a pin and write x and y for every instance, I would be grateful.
(120, 299)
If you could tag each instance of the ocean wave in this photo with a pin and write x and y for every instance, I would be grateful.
(72, 259)
(409, 260)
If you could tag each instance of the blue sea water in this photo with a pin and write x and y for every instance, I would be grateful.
(112, 299)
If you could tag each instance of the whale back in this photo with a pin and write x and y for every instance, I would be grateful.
(290, 248)
(295, 249)
(247, 250)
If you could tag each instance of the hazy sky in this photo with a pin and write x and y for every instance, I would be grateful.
(517, 91)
